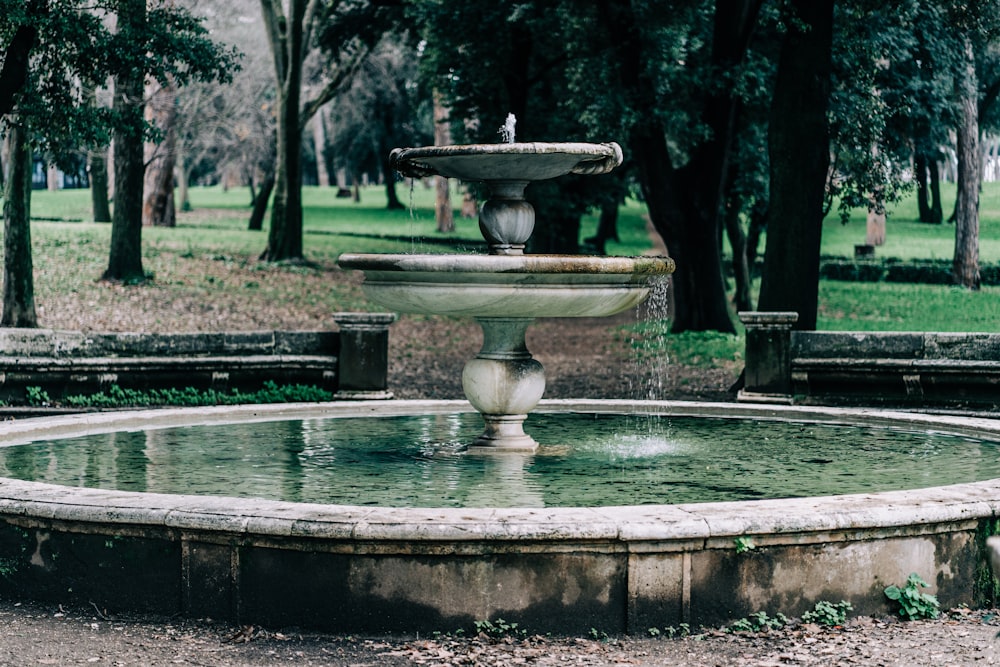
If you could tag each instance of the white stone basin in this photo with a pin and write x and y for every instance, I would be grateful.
(507, 162)
(508, 286)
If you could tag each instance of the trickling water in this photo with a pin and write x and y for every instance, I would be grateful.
(506, 130)
(585, 460)
(652, 363)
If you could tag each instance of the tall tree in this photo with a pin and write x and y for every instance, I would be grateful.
(43, 108)
(799, 148)
(965, 262)
(491, 59)
(686, 188)
(444, 214)
(379, 111)
(160, 158)
(292, 36)
(18, 275)
(125, 257)
(172, 47)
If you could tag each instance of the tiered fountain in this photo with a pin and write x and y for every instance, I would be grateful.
(379, 556)
(507, 289)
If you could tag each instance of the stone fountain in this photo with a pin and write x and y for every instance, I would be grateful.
(507, 289)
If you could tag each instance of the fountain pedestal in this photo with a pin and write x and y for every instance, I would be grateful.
(504, 384)
(507, 289)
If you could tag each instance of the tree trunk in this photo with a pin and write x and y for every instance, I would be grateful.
(758, 223)
(965, 265)
(260, 204)
(18, 273)
(284, 240)
(52, 178)
(158, 186)
(319, 141)
(183, 173)
(686, 205)
(125, 259)
(937, 211)
(607, 227)
(799, 150)
(875, 227)
(99, 202)
(444, 215)
(875, 222)
(391, 198)
(920, 175)
(741, 267)
(928, 189)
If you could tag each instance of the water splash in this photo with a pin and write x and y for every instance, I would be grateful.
(506, 130)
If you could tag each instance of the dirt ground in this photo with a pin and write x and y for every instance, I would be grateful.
(583, 359)
(52, 635)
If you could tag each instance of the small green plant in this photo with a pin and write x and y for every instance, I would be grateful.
(37, 397)
(8, 567)
(499, 629)
(598, 635)
(681, 630)
(744, 544)
(828, 614)
(270, 392)
(913, 604)
(758, 622)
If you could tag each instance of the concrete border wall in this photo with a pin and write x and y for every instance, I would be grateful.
(352, 360)
(371, 569)
(874, 368)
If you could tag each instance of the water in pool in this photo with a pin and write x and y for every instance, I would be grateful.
(419, 461)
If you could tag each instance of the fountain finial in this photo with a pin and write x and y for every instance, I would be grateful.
(506, 130)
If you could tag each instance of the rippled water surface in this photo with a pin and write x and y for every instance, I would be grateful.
(587, 460)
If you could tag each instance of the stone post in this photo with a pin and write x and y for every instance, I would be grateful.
(363, 361)
(768, 371)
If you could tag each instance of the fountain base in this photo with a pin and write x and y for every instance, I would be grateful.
(504, 433)
(504, 384)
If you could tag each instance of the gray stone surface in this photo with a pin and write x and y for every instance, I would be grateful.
(617, 568)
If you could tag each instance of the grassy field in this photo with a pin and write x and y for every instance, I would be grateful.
(70, 251)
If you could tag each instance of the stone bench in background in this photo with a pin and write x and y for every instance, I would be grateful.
(905, 368)
(351, 361)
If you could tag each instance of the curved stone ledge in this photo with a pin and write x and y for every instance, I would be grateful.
(426, 569)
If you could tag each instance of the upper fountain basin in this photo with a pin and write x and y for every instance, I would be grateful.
(507, 162)
(508, 285)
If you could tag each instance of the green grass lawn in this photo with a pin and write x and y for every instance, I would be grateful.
(216, 228)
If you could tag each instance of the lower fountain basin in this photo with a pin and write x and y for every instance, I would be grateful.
(352, 568)
(522, 286)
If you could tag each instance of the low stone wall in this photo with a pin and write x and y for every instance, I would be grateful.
(351, 361)
(895, 368)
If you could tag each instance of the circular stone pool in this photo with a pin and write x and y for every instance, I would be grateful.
(624, 567)
(586, 460)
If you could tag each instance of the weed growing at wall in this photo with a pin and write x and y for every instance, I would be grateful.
(271, 392)
(913, 604)
(828, 613)
(499, 629)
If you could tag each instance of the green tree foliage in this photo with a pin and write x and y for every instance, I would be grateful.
(491, 59)
(50, 48)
